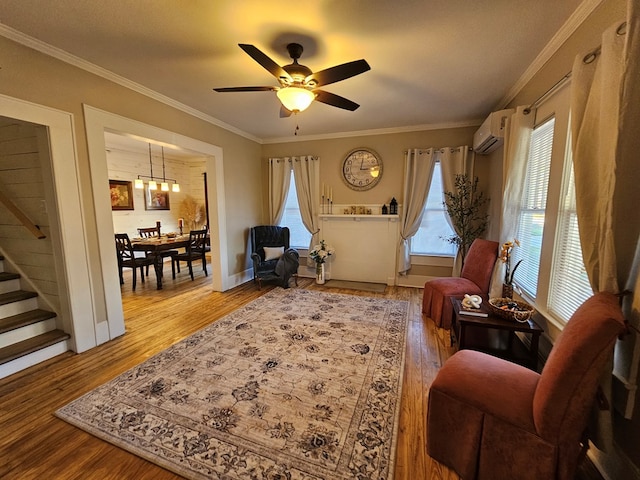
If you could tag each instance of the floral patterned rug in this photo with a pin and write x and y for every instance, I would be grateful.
(297, 384)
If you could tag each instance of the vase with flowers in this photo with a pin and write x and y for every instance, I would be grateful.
(320, 254)
(505, 256)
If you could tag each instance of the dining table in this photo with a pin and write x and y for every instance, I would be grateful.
(155, 245)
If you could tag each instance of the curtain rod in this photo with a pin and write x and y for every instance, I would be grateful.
(588, 58)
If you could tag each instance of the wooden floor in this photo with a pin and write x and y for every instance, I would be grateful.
(34, 444)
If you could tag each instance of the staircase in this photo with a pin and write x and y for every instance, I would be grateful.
(28, 335)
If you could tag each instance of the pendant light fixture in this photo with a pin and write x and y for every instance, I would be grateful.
(153, 185)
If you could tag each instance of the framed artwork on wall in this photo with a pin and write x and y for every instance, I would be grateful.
(121, 195)
(156, 199)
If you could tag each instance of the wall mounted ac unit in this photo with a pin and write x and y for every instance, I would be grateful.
(490, 135)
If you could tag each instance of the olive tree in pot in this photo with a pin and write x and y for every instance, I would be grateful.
(465, 208)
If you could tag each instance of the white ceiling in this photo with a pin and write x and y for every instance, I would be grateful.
(433, 62)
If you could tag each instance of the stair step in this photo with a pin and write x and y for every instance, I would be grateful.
(23, 319)
(16, 296)
(6, 276)
(31, 345)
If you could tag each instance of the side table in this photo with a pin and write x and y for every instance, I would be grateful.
(496, 336)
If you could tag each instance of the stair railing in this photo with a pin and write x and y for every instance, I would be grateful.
(28, 224)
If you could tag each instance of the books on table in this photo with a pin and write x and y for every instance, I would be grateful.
(476, 312)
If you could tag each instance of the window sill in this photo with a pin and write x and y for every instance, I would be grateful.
(432, 260)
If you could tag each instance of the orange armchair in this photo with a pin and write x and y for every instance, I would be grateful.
(474, 279)
(491, 419)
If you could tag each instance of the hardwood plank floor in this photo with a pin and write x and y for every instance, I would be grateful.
(34, 444)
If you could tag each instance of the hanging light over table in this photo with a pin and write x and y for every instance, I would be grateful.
(153, 185)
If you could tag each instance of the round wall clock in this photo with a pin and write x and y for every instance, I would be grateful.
(362, 169)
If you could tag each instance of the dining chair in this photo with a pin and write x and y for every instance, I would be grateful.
(195, 250)
(127, 258)
(149, 232)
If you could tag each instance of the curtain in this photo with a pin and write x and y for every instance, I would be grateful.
(605, 106)
(279, 179)
(455, 161)
(306, 172)
(516, 152)
(418, 170)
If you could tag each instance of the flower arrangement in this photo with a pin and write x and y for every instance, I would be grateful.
(321, 252)
(505, 256)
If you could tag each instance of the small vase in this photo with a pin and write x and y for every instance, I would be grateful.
(507, 290)
(320, 273)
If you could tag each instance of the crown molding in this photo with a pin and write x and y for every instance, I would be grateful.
(66, 57)
(379, 131)
(581, 13)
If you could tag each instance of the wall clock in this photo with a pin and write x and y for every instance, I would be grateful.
(362, 169)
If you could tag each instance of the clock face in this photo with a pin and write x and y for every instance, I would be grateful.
(362, 169)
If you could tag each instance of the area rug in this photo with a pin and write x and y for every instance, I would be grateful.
(297, 384)
(364, 286)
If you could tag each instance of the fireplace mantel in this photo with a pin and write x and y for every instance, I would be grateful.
(365, 246)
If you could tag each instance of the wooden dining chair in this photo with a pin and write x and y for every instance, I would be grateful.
(149, 232)
(195, 251)
(127, 258)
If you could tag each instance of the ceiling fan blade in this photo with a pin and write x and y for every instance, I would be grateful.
(284, 112)
(272, 67)
(335, 100)
(339, 72)
(245, 89)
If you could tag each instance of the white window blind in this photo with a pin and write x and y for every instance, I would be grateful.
(434, 228)
(530, 226)
(569, 286)
(299, 235)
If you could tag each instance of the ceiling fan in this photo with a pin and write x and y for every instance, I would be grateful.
(298, 84)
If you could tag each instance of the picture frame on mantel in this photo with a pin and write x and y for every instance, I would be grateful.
(156, 199)
(121, 192)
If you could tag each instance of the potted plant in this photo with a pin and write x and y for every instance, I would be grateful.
(465, 208)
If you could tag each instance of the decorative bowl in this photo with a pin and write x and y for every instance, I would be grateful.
(171, 235)
(511, 309)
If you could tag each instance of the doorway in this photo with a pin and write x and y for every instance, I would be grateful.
(98, 122)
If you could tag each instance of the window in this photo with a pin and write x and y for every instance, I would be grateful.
(531, 218)
(300, 236)
(434, 228)
(569, 285)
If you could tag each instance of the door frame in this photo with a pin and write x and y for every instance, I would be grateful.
(96, 123)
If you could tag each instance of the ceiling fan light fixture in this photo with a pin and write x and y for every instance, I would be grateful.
(295, 99)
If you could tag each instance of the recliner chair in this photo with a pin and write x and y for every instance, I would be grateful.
(270, 247)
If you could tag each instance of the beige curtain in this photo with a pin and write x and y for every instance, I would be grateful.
(418, 170)
(605, 109)
(279, 179)
(455, 161)
(516, 152)
(306, 171)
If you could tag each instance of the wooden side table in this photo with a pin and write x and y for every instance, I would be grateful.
(496, 336)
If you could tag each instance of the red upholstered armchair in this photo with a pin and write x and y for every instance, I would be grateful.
(492, 419)
(474, 279)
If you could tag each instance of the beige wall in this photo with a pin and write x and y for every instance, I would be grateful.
(587, 38)
(35, 77)
(390, 147)
(67, 88)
